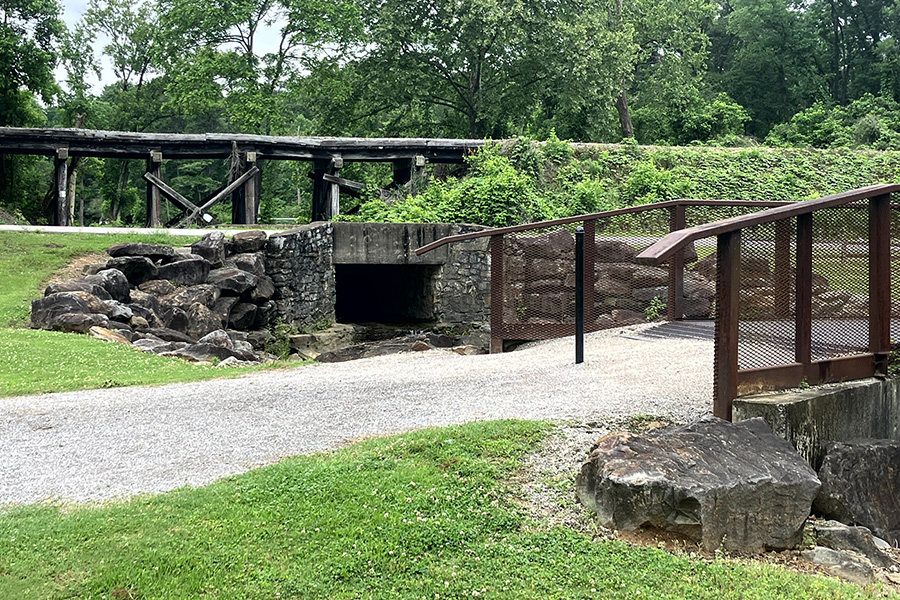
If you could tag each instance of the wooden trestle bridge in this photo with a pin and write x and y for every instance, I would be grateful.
(408, 157)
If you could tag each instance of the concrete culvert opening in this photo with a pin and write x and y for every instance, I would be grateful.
(385, 293)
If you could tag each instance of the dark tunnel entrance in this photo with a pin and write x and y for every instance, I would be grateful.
(384, 293)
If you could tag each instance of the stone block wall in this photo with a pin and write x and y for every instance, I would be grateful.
(299, 263)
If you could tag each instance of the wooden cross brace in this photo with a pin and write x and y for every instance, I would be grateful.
(190, 211)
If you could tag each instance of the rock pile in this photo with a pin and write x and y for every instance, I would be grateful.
(212, 300)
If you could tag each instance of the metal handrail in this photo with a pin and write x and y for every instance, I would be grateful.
(659, 251)
(594, 216)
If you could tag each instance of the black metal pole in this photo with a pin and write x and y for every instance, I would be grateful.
(579, 295)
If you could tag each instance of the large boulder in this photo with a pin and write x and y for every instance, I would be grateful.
(183, 298)
(252, 262)
(232, 281)
(736, 486)
(191, 271)
(46, 311)
(201, 320)
(247, 241)
(242, 316)
(78, 285)
(151, 251)
(861, 486)
(79, 322)
(137, 269)
(211, 247)
(114, 282)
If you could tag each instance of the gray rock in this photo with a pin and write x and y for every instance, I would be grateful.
(841, 564)
(861, 484)
(736, 486)
(118, 311)
(247, 241)
(233, 361)
(78, 285)
(201, 321)
(45, 311)
(242, 316)
(168, 335)
(259, 339)
(183, 298)
(252, 262)
(222, 307)
(147, 318)
(263, 290)
(232, 281)
(155, 346)
(79, 322)
(157, 287)
(151, 251)
(137, 269)
(148, 301)
(114, 282)
(219, 337)
(211, 247)
(837, 536)
(192, 271)
(174, 318)
(208, 352)
(107, 335)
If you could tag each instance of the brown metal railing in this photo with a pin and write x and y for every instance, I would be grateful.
(532, 269)
(821, 313)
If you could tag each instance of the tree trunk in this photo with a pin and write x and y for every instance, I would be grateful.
(624, 116)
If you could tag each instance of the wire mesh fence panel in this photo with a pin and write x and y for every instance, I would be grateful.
(539, 280)
(766, 330)
(840, 282)
(625, 292)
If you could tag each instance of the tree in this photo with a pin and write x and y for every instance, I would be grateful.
(468, 67)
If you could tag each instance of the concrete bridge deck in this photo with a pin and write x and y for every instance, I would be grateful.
(102, 444)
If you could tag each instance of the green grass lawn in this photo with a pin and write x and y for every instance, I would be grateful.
(33, 361)
(424, 515)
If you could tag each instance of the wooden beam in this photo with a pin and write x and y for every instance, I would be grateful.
(154, 204)
(218, 196)
(251, 192)
(61, 180)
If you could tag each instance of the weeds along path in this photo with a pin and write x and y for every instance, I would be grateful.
(110, 443)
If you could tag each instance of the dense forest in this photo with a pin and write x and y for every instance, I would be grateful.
(818, 74)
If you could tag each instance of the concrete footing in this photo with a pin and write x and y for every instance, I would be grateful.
(809, 419)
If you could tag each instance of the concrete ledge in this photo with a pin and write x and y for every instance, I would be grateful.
(809, 419)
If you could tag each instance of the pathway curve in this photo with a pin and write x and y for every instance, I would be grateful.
(108, 443)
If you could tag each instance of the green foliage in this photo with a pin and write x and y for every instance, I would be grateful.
(656, 309)
(868, 122)
(430, 513)
(279, 340)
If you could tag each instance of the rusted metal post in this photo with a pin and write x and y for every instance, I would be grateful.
(880, 280)
(675, 304)
(154, 198)
(61, 181)
(579, 295)
(728, 282)
(590, 277)
(803, 291)
(783, 269)
(496, 294)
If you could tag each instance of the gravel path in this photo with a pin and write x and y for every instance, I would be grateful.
(108, 443)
